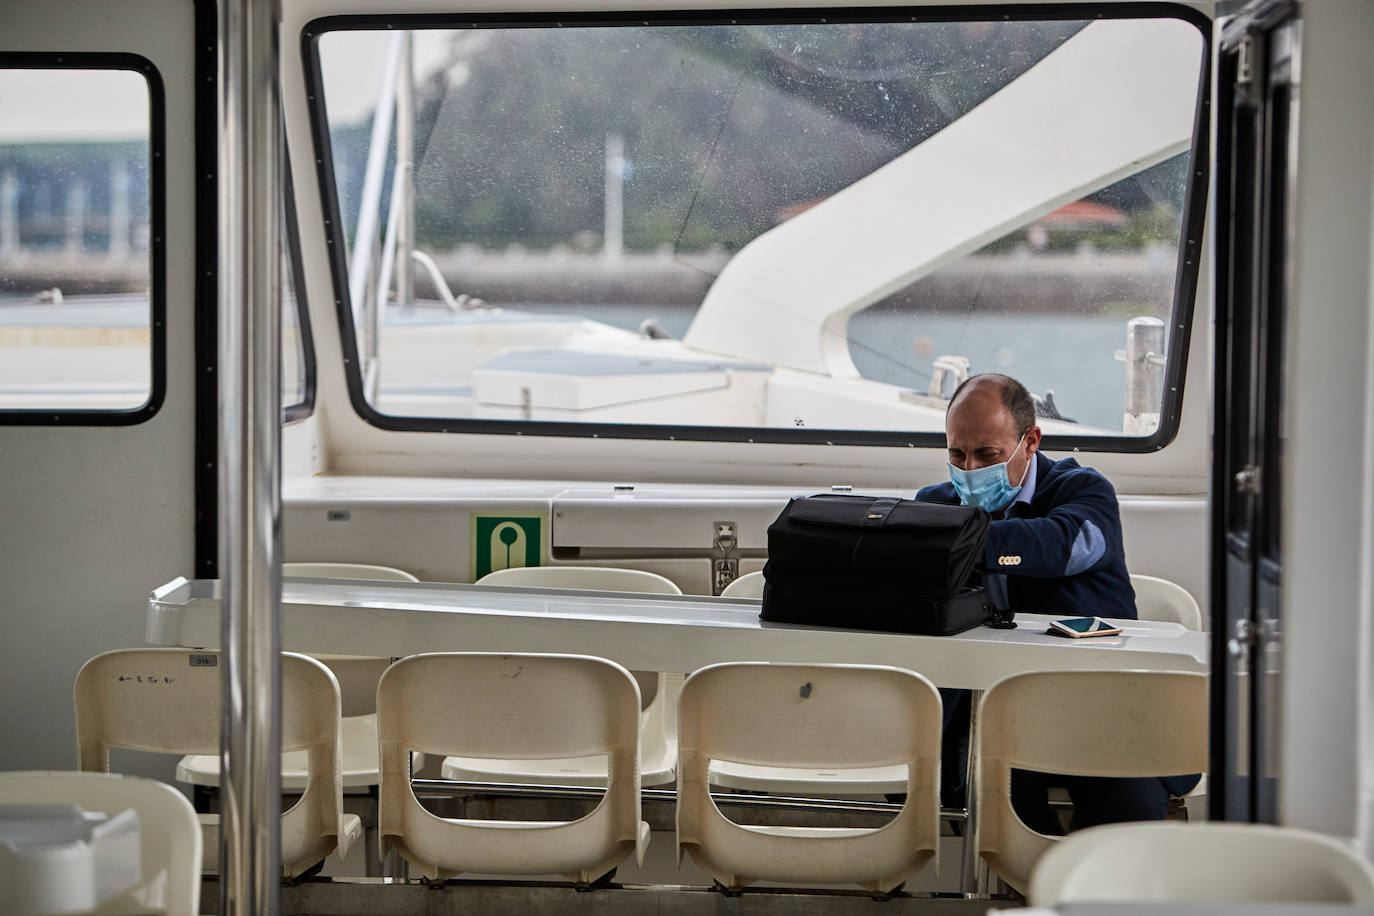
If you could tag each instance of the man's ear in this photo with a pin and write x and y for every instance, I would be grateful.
(1032, 441)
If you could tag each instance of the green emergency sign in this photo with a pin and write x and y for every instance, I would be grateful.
(506, 541)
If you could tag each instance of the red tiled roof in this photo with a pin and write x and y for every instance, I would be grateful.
(1083, 214)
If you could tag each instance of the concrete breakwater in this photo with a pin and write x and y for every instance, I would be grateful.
(1014, 282)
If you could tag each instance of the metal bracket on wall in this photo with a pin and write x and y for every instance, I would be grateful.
(725, 567)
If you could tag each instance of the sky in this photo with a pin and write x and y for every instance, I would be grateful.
(43, 105)
(353, 61)
(39, 105)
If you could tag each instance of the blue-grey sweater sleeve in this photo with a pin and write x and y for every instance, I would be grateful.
(1080, 533)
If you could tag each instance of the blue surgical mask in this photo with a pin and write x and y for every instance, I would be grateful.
(988, 487)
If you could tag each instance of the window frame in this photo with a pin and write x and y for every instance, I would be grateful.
(1186, 271)
(157, 244)
(298, 410)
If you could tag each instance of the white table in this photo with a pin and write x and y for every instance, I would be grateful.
(646, 632)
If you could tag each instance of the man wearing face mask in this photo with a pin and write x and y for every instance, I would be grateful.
(1055, 541)
(1054, 546)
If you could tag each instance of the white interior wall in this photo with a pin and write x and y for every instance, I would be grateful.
(423, 525)
(1327, 501)
(1365, 690)
(95, 517)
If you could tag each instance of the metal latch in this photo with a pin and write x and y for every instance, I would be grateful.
(1242, 642)
(724, 568)
(1245, 62)
(1248, 479)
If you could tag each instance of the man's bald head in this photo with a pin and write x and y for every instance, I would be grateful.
(991, 419)
(1013, 395)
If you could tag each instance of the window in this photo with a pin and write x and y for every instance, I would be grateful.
(762, 230)
(80, 231)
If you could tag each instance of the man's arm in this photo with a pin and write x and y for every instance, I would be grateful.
(1082, 532)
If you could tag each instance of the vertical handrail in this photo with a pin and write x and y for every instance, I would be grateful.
(365, 237)
(249, 454)
(405, 159)
(399, 239)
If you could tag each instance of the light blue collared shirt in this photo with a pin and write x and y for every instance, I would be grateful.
(1028, 487)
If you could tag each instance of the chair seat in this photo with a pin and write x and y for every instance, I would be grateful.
(350, 824)
(562, 771)
(810, 833)
(796, 781)
(657, 753)
(357, 761)
(1060, 795)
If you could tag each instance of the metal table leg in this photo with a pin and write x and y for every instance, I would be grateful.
(973, 881)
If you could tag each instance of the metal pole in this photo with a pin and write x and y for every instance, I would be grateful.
(76, 219)
(119, 208)
(9, 212)
(1145, 362)
(405, 173)
(249, 453)
(613, 240)
(365, 236)
(973, 880)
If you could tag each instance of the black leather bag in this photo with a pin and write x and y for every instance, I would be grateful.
(876, 563)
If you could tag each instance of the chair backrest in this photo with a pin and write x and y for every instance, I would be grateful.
(813, 716)
(1080, 723)
(1196, 863)
(484, 704)
(168, 701)
(347, 571)
(169, 834)
(357, 675)
(1160, 599)
(749, 585)
(595, 578)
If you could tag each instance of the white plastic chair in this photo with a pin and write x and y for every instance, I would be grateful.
(357, 735)
(749, 585)
(169, 835)
(1079, 723)
(357, 676)
(483, 704)
(1160, 599)
(793, 780)
(1201, 863)
(168, 701)
(813, 716)
(658, 721)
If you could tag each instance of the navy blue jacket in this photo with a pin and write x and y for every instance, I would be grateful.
(1061, 552)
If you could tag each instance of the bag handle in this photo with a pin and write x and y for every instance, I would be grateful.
(878, 512)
